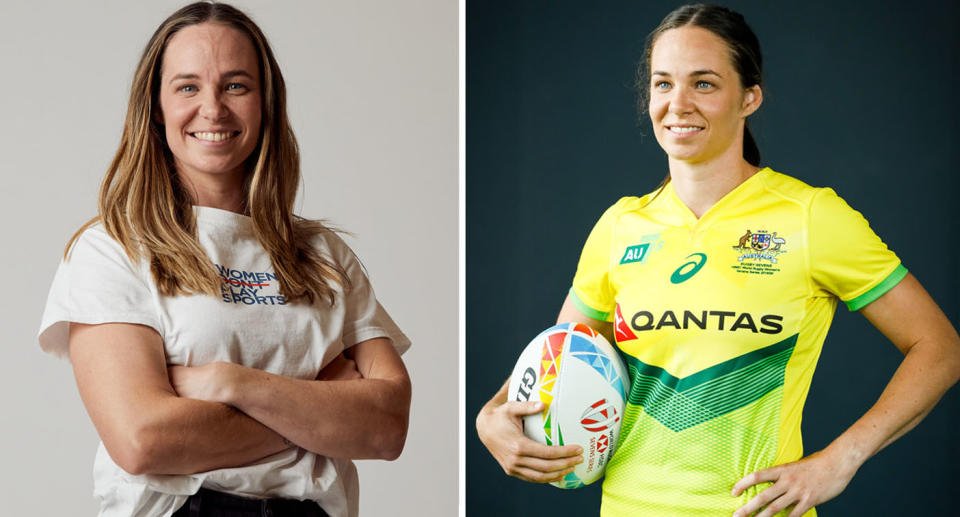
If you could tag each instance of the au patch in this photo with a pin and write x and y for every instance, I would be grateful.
(635, 253)
(644, 246)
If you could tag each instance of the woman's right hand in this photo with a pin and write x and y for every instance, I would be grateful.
(342, 368)
(501, 431)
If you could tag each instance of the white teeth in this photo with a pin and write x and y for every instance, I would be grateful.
(681, 130)
(212, 137)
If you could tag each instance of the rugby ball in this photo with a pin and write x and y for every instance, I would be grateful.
(583, 385)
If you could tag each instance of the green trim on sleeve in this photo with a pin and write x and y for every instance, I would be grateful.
(866, 298)
(587, 310)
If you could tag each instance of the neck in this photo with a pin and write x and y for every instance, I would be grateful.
(701, 185)
(221, 191)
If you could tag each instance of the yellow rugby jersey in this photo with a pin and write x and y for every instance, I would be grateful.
(721, 321)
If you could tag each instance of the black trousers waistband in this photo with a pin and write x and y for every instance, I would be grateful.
(210, 503)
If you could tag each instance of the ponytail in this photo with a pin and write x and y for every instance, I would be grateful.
(751, 152)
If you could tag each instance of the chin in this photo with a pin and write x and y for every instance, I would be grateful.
(216, 169)
(684, 154)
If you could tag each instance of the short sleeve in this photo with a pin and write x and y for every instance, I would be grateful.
(95, 284)
(592, 292)
(364, 317)
(847, 258)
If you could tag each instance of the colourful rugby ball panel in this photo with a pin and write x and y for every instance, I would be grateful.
(583, 384)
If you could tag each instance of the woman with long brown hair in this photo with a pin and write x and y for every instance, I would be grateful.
(722, 311)
(231, 355)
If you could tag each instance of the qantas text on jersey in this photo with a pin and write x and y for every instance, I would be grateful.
(715, 319)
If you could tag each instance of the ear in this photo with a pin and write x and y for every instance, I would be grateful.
(157, 115)
(752, 99)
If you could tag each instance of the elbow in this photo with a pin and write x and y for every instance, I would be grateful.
(133, 458)
(134, 464)
(392, 442)
(955, 370)
(137, 453)
(393, 435)
(950, 361)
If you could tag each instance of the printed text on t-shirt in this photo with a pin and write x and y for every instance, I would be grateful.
(247, 287)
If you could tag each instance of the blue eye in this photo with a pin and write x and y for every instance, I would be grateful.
(703, 85)
(187, 88)
(236, 87)
(661, 85)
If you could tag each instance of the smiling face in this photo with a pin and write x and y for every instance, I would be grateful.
(210, 101)
(697, 102)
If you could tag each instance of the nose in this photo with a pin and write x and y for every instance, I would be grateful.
(211, 106)
(681, 100)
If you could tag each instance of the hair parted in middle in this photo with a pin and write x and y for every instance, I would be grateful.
(144, 206)
(732, 28)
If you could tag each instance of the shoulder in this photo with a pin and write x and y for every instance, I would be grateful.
(94, 233)
(629, 205)
(822, 205)
(95, 243)
(791, 188)
(325, 239)
(625, 205)
(632, 203)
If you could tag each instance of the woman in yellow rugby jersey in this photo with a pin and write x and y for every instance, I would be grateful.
(719, 289)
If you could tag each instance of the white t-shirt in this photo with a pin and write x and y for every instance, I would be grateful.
(249, 324)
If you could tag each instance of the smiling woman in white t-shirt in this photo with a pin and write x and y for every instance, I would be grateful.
(231, 355)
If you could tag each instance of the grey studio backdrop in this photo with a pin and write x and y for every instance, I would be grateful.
(373, 99)
(860, 96)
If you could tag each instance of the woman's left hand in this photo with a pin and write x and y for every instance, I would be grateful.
(802, 484)
(208, 382)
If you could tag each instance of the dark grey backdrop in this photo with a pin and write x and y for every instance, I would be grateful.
(863, 98)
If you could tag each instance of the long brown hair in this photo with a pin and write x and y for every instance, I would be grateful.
(144, 207)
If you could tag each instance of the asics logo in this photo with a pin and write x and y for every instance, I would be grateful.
(688, 269)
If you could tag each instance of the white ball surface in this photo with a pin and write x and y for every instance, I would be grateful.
(583, 384)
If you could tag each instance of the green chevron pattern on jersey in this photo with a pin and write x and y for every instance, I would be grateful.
(683, 403)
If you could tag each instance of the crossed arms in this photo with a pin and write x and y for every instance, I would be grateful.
(183, 420)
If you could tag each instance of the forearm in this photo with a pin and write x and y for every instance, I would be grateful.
(498, 398)
(185, 436)
(358, 419)
(913, 322)
(924, 375)
(487, 411)
(931, 365)
(146, 428)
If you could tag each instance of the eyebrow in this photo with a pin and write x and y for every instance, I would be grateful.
(226, 75)
(695, 73)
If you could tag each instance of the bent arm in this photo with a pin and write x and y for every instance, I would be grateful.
(909, 317)
(147, 429)
(358, 419)
(569, 313)
(931, 365)
(499, 425)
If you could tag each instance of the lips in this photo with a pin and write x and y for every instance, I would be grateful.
(214, 136)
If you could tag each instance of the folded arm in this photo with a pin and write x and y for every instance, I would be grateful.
(146, 428)
(358, 418)
(909, 317)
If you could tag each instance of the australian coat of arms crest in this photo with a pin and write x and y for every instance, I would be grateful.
(760, 245)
